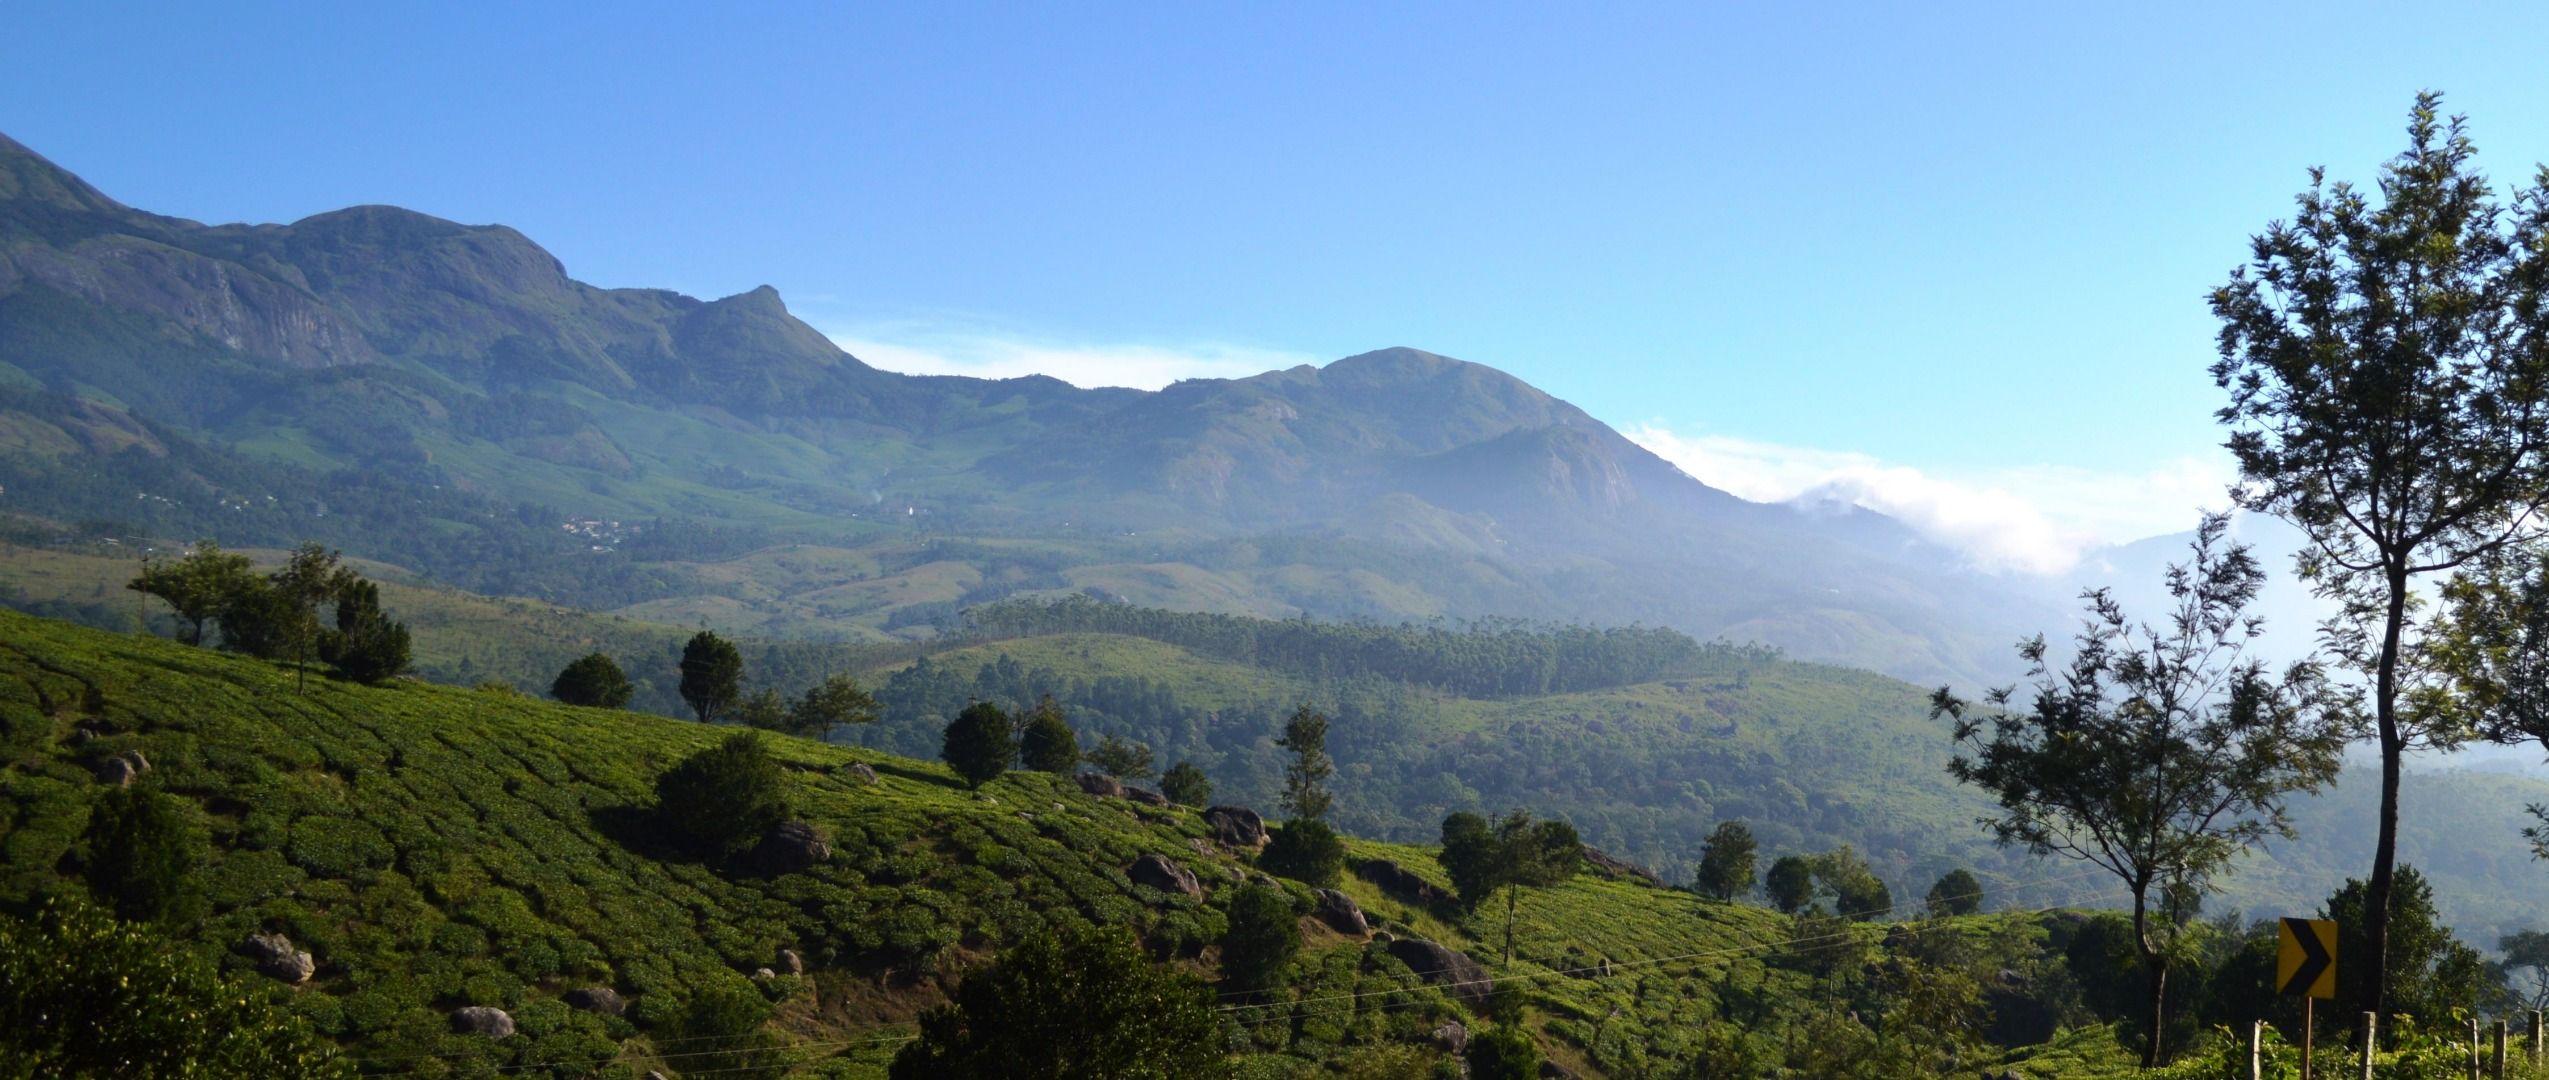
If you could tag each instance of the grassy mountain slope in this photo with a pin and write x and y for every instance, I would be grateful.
(1813, 756)
(436, 847)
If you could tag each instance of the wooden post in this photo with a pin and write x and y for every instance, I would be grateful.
(2533, 1049)
(2256, 1051)
(2499, 1071)
(2473, 1050)
(2371, 1025)
(2309, 1027)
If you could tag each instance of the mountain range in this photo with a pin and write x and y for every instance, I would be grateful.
(445, 396)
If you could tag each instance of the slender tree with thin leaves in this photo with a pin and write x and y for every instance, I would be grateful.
(2388, 371)
(2156, 754)
(1305, 777)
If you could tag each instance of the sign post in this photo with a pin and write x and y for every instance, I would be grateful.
(2306, 964)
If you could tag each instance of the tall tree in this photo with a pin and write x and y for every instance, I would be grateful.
(1726, 862)
(310, 577)
(594, 680)
(1305, 777)
(1048, 744)
(1121, 757)
(979, 743)
(712, 675)
(198, 586)
(1790, 883)
(837, 700)
(1086, 1005)
(1186, 785)
(2388, 370)
(1955, 893)
(1511, 853)
(368, 646)
(2156, 754)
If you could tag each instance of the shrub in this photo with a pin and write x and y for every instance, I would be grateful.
(595, 681)
(1085, 1004)
(979, 744)
(146, 854)
(721, 799)
(1263, 937)
(1957, 893)
(721, 1034)
(1503, 1052)
(1186, 785)
(1306, 851)
(1048, 745)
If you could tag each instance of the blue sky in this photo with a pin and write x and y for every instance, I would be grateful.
(1946, 260)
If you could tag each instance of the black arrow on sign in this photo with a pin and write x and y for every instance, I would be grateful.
(2314, 956)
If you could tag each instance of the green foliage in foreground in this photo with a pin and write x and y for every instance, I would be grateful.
(720, 800)
(1083, 1006)
(84, 996)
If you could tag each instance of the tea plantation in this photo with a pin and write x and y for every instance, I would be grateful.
(434, 848)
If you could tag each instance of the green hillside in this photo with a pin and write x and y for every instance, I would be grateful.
(435, 847)
(1813, 756)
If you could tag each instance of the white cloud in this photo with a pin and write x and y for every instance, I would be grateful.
(915, 349)
(2035, 519)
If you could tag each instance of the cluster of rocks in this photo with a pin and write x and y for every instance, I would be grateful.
(122, 769)
(276, 958)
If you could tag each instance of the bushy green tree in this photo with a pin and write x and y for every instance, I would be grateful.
(1503, 1052)
(368, 646)
(1264, 935)
(1857, 893)
(1790, 883)
(1305, 777)
(712, 675)
(1305, 850)
(2155, 754)
(2430, 972)
(146, 854)
(1120, 757)
(1726, 862)
(979, 743)
(1512, 853)
(2389, 396)
(1048, 743)
(832, 703)
(1957, 892)
(722, 799)
(763, 710)
(594, 680)
(198, 586)
(1084, 1005)
(724, 1032)
(85, 997)
(1186, 785)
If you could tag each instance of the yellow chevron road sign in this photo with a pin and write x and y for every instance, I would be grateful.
(2306, 959)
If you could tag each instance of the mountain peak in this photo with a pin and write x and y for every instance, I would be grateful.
(29, 176)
